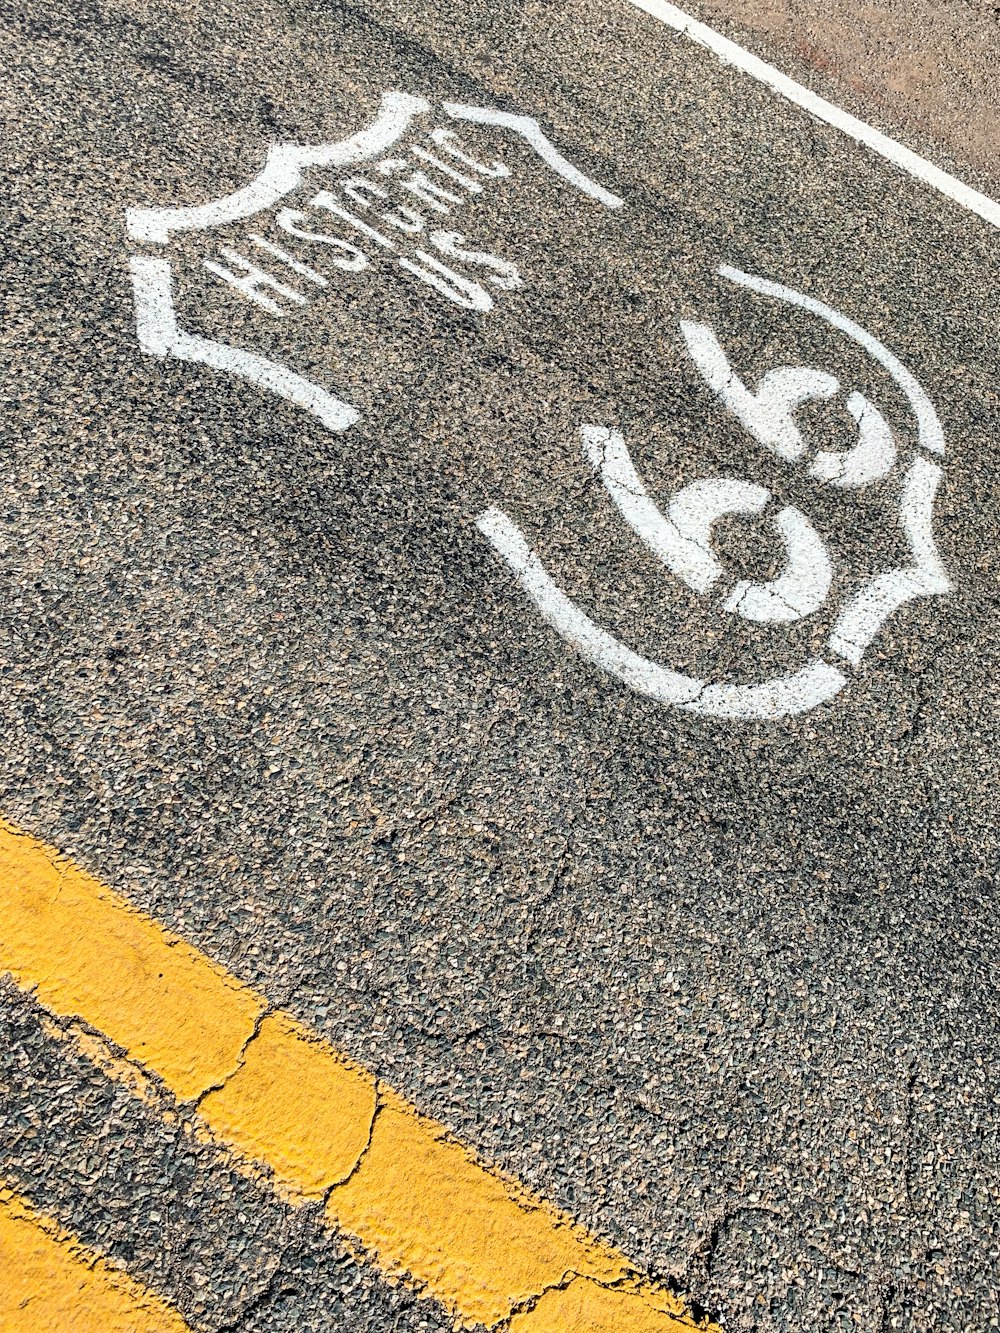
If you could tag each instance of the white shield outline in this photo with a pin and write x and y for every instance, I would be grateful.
(158, 331)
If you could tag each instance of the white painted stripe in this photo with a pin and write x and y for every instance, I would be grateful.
(904, 158)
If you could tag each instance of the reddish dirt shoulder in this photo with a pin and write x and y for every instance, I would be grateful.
(927, 69)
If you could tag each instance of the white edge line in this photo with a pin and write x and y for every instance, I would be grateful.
(904, 158)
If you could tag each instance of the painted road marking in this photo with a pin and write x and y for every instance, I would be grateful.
(681, 539)
(730, 53)
(50, 1283)
(767, 412)
(82, 955)
(278, 1095)
(391, 223)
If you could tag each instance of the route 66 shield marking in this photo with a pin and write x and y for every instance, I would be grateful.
(681, 538)
(392, 193)
(437, 175)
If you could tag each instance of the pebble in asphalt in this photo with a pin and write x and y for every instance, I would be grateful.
(726, 992)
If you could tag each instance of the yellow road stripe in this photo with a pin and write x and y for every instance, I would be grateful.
(85, 951)
(50, 1283)
(417, 1201)
(296, 1105)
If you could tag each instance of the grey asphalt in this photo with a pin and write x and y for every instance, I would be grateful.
(726, 991)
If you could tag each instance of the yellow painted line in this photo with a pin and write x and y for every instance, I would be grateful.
(83, 951)
(50, 1283)
(419, 1204)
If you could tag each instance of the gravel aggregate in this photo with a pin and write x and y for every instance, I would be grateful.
(727, 993)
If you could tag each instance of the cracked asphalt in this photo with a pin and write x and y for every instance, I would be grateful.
(723, 988)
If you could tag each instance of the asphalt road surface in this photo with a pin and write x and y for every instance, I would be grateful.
(625, 796)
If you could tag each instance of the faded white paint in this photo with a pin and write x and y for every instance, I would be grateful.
(501, 272)
(783, 696)
(802, 586)
(345, 255)
(870, 608)
(255, 283)
(532, 133)
(325, 199)
(682, 538)
(445, 138)
(871, 459)
(769, 412)
(695, 510)
(282, 172)
(929, 433)
(454, 286)
(459, 177)
(576, 628)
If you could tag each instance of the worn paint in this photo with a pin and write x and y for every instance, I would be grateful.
(730, 53)
(681, 538)
(53, 1283)
(85, 952)
(418, 1203)
(297, 1105)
